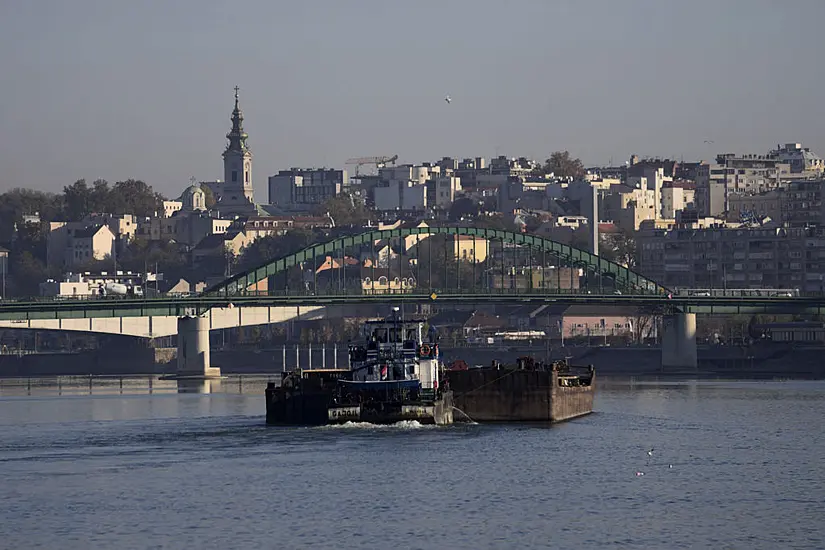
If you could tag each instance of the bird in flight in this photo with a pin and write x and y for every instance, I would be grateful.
(448, 99)
(708, 141)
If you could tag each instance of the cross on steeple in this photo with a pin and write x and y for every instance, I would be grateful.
(236, 93)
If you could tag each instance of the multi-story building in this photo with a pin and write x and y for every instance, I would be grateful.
(302, 189)
(221, 245)
(96, 242)
(676, 196)
(441, 191)
(255, 227)
(795, 204)
(188, 230)
(122, 226)
(523, 278)
(627, 206)
(400, 196)
(801, 160)
(405, 188)
(735, 174)
(170, 207)
(470, 249)
(71, 244)
(724, 257)
(512, 166)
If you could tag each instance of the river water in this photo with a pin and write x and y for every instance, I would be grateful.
(734, 465)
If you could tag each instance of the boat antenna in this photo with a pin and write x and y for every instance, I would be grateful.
(397, 337)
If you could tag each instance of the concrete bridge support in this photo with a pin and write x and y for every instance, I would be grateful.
(193, 349)
(679, 341)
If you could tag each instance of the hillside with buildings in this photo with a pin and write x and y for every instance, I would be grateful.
(737, 221)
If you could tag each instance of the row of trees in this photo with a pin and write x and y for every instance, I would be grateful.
(27, 242)
(124, 197)
(76, 201)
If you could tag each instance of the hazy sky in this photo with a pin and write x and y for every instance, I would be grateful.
(143, 89)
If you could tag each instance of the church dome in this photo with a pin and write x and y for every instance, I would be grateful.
(193, 198)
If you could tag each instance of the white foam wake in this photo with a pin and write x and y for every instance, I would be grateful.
(402, 425)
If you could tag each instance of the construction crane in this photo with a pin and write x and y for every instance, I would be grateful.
(379, 162)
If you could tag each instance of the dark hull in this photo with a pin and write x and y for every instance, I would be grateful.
(438, 412)
(514, 395)
(316, 408)
(297, 407)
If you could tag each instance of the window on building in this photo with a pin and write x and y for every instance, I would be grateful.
(246, 177)
(234, 175)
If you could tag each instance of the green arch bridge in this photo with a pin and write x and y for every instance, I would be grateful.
(416, 265)
(442, 260)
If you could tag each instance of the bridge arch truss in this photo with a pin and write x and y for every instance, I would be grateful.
(511, 264)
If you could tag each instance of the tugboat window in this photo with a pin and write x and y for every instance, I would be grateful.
(370, 370)
(412, 369)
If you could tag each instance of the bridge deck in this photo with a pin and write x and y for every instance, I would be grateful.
(196, 305)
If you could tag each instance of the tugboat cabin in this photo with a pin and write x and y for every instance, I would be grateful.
(395, 351)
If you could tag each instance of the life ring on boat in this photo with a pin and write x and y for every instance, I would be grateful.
(424, 350)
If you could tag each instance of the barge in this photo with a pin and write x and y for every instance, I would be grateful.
(529, 391)
(393, 376)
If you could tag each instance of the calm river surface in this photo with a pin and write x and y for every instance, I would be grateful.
(735, 465)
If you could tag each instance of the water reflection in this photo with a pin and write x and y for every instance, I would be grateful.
(131, 385)
(189, 385)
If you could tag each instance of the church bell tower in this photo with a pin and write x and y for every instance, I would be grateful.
(237, 195)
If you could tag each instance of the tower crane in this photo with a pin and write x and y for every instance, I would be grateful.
(379, 162)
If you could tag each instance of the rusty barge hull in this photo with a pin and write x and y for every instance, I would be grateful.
(516, 395)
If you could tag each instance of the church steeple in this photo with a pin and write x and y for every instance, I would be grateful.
(237, 190)
(236, 136)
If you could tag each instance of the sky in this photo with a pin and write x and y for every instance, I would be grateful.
(118, 89)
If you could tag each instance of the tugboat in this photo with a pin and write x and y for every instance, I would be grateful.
(393, 377)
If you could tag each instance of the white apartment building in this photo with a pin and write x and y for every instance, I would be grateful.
(302, 189)
(735, 174)
(676, 196)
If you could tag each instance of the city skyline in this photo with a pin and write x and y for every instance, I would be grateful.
(155, 102)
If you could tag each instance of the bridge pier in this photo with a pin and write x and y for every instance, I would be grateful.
(679, 341)
(193, 349)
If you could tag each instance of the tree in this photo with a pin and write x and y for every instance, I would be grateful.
(562, 165)
(209, 197)
(77, 198)
(17, 202)
(168, 258)
(463, 207)
(99, 196)
(619, 248)
(644, 325)
(135, 197)
(27, 273)
(344, 209)
(126, 197)
(273, 247)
